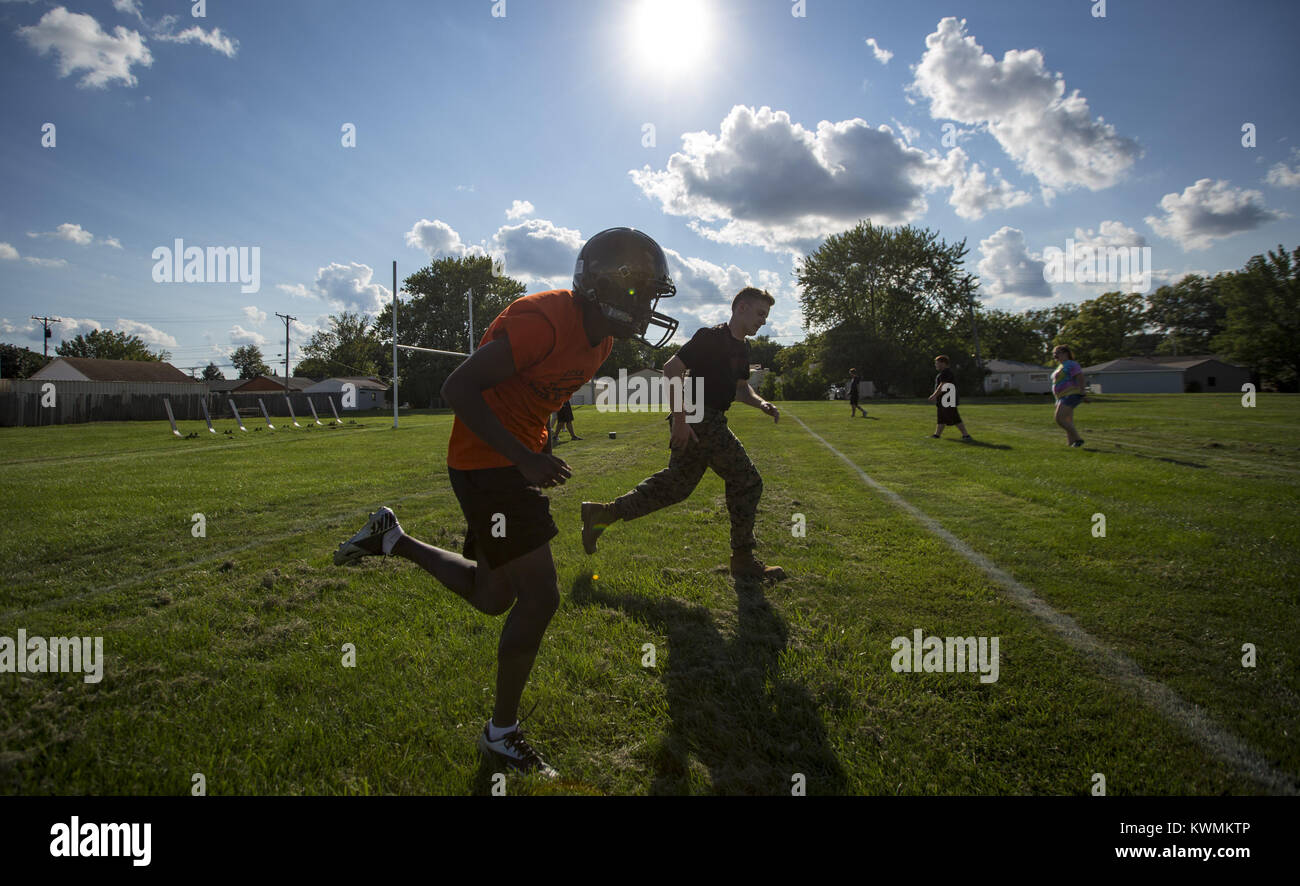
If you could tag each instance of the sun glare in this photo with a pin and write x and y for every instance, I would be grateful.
(670, 36)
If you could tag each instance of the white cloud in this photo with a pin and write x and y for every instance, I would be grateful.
(256, 317)
(213, 39)
(520, 209)
(241, 336)
(910, 133)
(348, 287)
(45, 262)
(67, 231)
(81, 45)
(1282, 176)
(148, 334)
(538, 251)
(112, 241)
(773, 183)
(1008, 270)
(882, 55)
(972, 193)
(1209, 211)
(8, 253)
(297, 290)
(439, 240)
(129, 7)
(71, 327)
(1051, 135)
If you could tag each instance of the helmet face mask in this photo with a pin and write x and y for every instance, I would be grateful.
(624, 273)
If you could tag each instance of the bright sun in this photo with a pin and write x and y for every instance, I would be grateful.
(670, 36)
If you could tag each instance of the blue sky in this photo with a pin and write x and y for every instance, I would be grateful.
(519, 135)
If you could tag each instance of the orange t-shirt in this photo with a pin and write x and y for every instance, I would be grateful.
(553, 358)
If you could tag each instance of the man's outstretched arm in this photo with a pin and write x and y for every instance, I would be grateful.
(745, 394)
(485, 368)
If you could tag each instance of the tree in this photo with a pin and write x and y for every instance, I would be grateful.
(1048, 322)
(1007, 336)
(892, 296)
(763, 350)
(248, 361)
(348, 348)
(1188, 314)
(1262, 324)
(1097, 333)
(108, 344)
(16, 362)
(212, 373)
(436, 315)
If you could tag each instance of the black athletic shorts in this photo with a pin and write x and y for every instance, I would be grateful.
(524, 524)
(853, 399)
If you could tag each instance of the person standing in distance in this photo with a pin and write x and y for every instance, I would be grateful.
(854, 381)
(720, 356)
(533, 356)
(1069, 389)
(945, 398)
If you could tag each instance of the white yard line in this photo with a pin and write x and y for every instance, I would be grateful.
(1116, 664)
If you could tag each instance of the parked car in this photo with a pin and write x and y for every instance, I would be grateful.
(836, 392)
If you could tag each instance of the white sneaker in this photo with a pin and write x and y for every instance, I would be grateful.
(369, 542)
(516, 752)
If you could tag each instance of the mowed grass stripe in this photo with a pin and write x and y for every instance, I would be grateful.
(1210, 734)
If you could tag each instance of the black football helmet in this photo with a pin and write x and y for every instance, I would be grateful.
(625, 273)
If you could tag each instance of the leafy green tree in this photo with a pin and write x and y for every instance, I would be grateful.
(763, 350)
(435, 314)
(1098, 331)
(248, 361)
(1188, 314)
(349, 347)
(888, 298)
(1262, 326)
(109, 344)
(212, 373)
(17, 362)
(1007, 336)
(1048, 323)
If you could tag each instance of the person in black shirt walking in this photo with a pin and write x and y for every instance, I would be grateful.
(853, 395)
(945, 397)
(720, 356)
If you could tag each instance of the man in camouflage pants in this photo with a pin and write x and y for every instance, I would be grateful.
(720, 356)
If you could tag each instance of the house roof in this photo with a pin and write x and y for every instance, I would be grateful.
(1155, 364)
(123, 370)
(1014, 366)
(296, 383)
(225, 384)
(361, 382)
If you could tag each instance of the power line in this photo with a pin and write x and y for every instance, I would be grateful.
(287, 321)
(46, 321)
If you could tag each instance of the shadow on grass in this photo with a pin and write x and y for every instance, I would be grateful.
(728, 706)
(1172, 461)
(979, 443)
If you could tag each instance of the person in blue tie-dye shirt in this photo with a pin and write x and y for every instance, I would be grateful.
(1069, 389)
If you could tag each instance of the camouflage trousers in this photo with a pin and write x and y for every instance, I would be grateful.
(716, 448)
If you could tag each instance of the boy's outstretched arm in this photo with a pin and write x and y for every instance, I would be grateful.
(485, 368)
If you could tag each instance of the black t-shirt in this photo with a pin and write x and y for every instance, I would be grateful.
(715, 355)
(853, 386)
(946, 376)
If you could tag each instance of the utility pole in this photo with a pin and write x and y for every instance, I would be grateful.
(46, 321)
(287, 320)
(394, 344)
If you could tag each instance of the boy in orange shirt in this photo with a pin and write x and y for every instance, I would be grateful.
(532, 358)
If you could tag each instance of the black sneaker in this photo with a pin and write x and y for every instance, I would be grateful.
(1077, 443)
(369, 542)
(968, 439)
(515, 751)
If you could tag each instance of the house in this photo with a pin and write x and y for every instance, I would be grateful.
(272, 384)
(1012, 375)
(91, 369)
(369, 391)
(1166, 375)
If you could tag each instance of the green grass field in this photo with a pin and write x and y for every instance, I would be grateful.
(223, 654)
